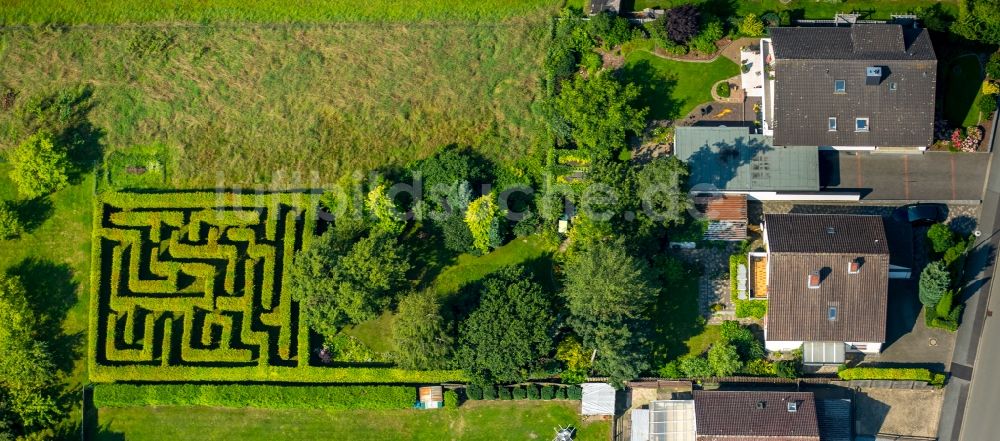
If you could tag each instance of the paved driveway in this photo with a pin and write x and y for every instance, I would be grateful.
(933, 176)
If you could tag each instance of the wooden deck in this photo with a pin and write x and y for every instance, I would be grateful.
(759, 282)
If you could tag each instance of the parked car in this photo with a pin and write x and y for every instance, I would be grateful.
(921, 214)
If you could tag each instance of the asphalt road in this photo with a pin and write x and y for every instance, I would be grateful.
(982, 406)
(972, 397)
(932, 176)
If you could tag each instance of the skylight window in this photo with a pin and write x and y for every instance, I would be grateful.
(832, 314)
(832, 124)
(892, 86)
(839, 86)
(861, 125)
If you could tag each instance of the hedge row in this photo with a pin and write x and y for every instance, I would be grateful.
(901, 374)
(260, 396)
(529, 392)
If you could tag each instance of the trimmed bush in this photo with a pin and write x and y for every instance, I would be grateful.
(574, 392)
(987, 104)
(257, 396)
(450, 399)
(489, 392)
(532, 391)
(548, 392)
(723, 90)
(505, 393)
(875, 373)
(519, 393)
(474, 392)
(940, 238)
(561, 393)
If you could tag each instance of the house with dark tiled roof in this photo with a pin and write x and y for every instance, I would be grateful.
(826, 282)
(861, 87)
(744, 416)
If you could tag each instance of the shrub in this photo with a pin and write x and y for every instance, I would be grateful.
(751, 308)
(561, 393)
(10, 223)
(489, 392)
(987, 104)
(723, 89)
(934, 281)
(760, 367)
(990, 88)
(993, 66)
(724, 358)
(696, 367)
(788, 368)
(257, 396)
(591, 61)
(744, 308)
(705, 41)
(954, 254)
(672, 370)
(548, 392)
(940, 238)
(875, 373)
(505, 393)
(519, 393)
(751, 26)
(450, 399)
(748, 345)
(532, 391)
(682, 23)
(474, 392)
(574, 392)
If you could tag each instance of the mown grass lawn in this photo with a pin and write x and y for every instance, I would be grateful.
(963, 81)
(52, 258)
(291, 106)
(810, 9)
(671, 89)
(504, 420)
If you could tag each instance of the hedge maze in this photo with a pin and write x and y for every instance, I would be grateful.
(188, 287)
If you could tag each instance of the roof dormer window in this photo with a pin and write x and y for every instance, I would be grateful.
(861, 125)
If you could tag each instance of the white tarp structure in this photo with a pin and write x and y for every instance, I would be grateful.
(640, 424)
(598, 399)
(672, 420)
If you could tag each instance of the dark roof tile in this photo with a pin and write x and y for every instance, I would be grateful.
(736, 415)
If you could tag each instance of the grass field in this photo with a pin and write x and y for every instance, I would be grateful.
(473, 421)
(963, 80)
(810, 9)
(674, 88)
(679, 328)
(274, 105)
(261, 11)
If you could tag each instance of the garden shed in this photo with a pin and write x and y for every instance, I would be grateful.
(431, 397)
(598, 399)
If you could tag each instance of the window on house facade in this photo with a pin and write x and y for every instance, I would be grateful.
(832, 124)
(861, 124)
(839, 86)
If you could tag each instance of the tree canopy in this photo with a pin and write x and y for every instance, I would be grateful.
(483, 218)
(420, 333)
(724, 359)
(510, 330)
(599, 111)
(609, 294)
(39, 166)
(978, 20)
(682, 23)
(340, 283)
(27, 370)
(661, 189)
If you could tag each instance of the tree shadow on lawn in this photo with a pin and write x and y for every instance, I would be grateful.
(457, 306)
(676, 316)
(657, 89)
(33, 212)
(52, 292)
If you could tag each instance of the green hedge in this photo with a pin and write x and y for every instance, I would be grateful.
(259, 396)
(529, 391)
(903, 374)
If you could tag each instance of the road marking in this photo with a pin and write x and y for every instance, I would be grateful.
(906, 177)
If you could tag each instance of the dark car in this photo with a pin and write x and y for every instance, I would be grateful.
(921, 214)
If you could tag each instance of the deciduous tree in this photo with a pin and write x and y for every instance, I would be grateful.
(661, 189)
(419, 332)
(483, 218)
(510, 330)
(682, 23)
(724, 358)
(608, 294)
(38, 166)
(599, 112)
